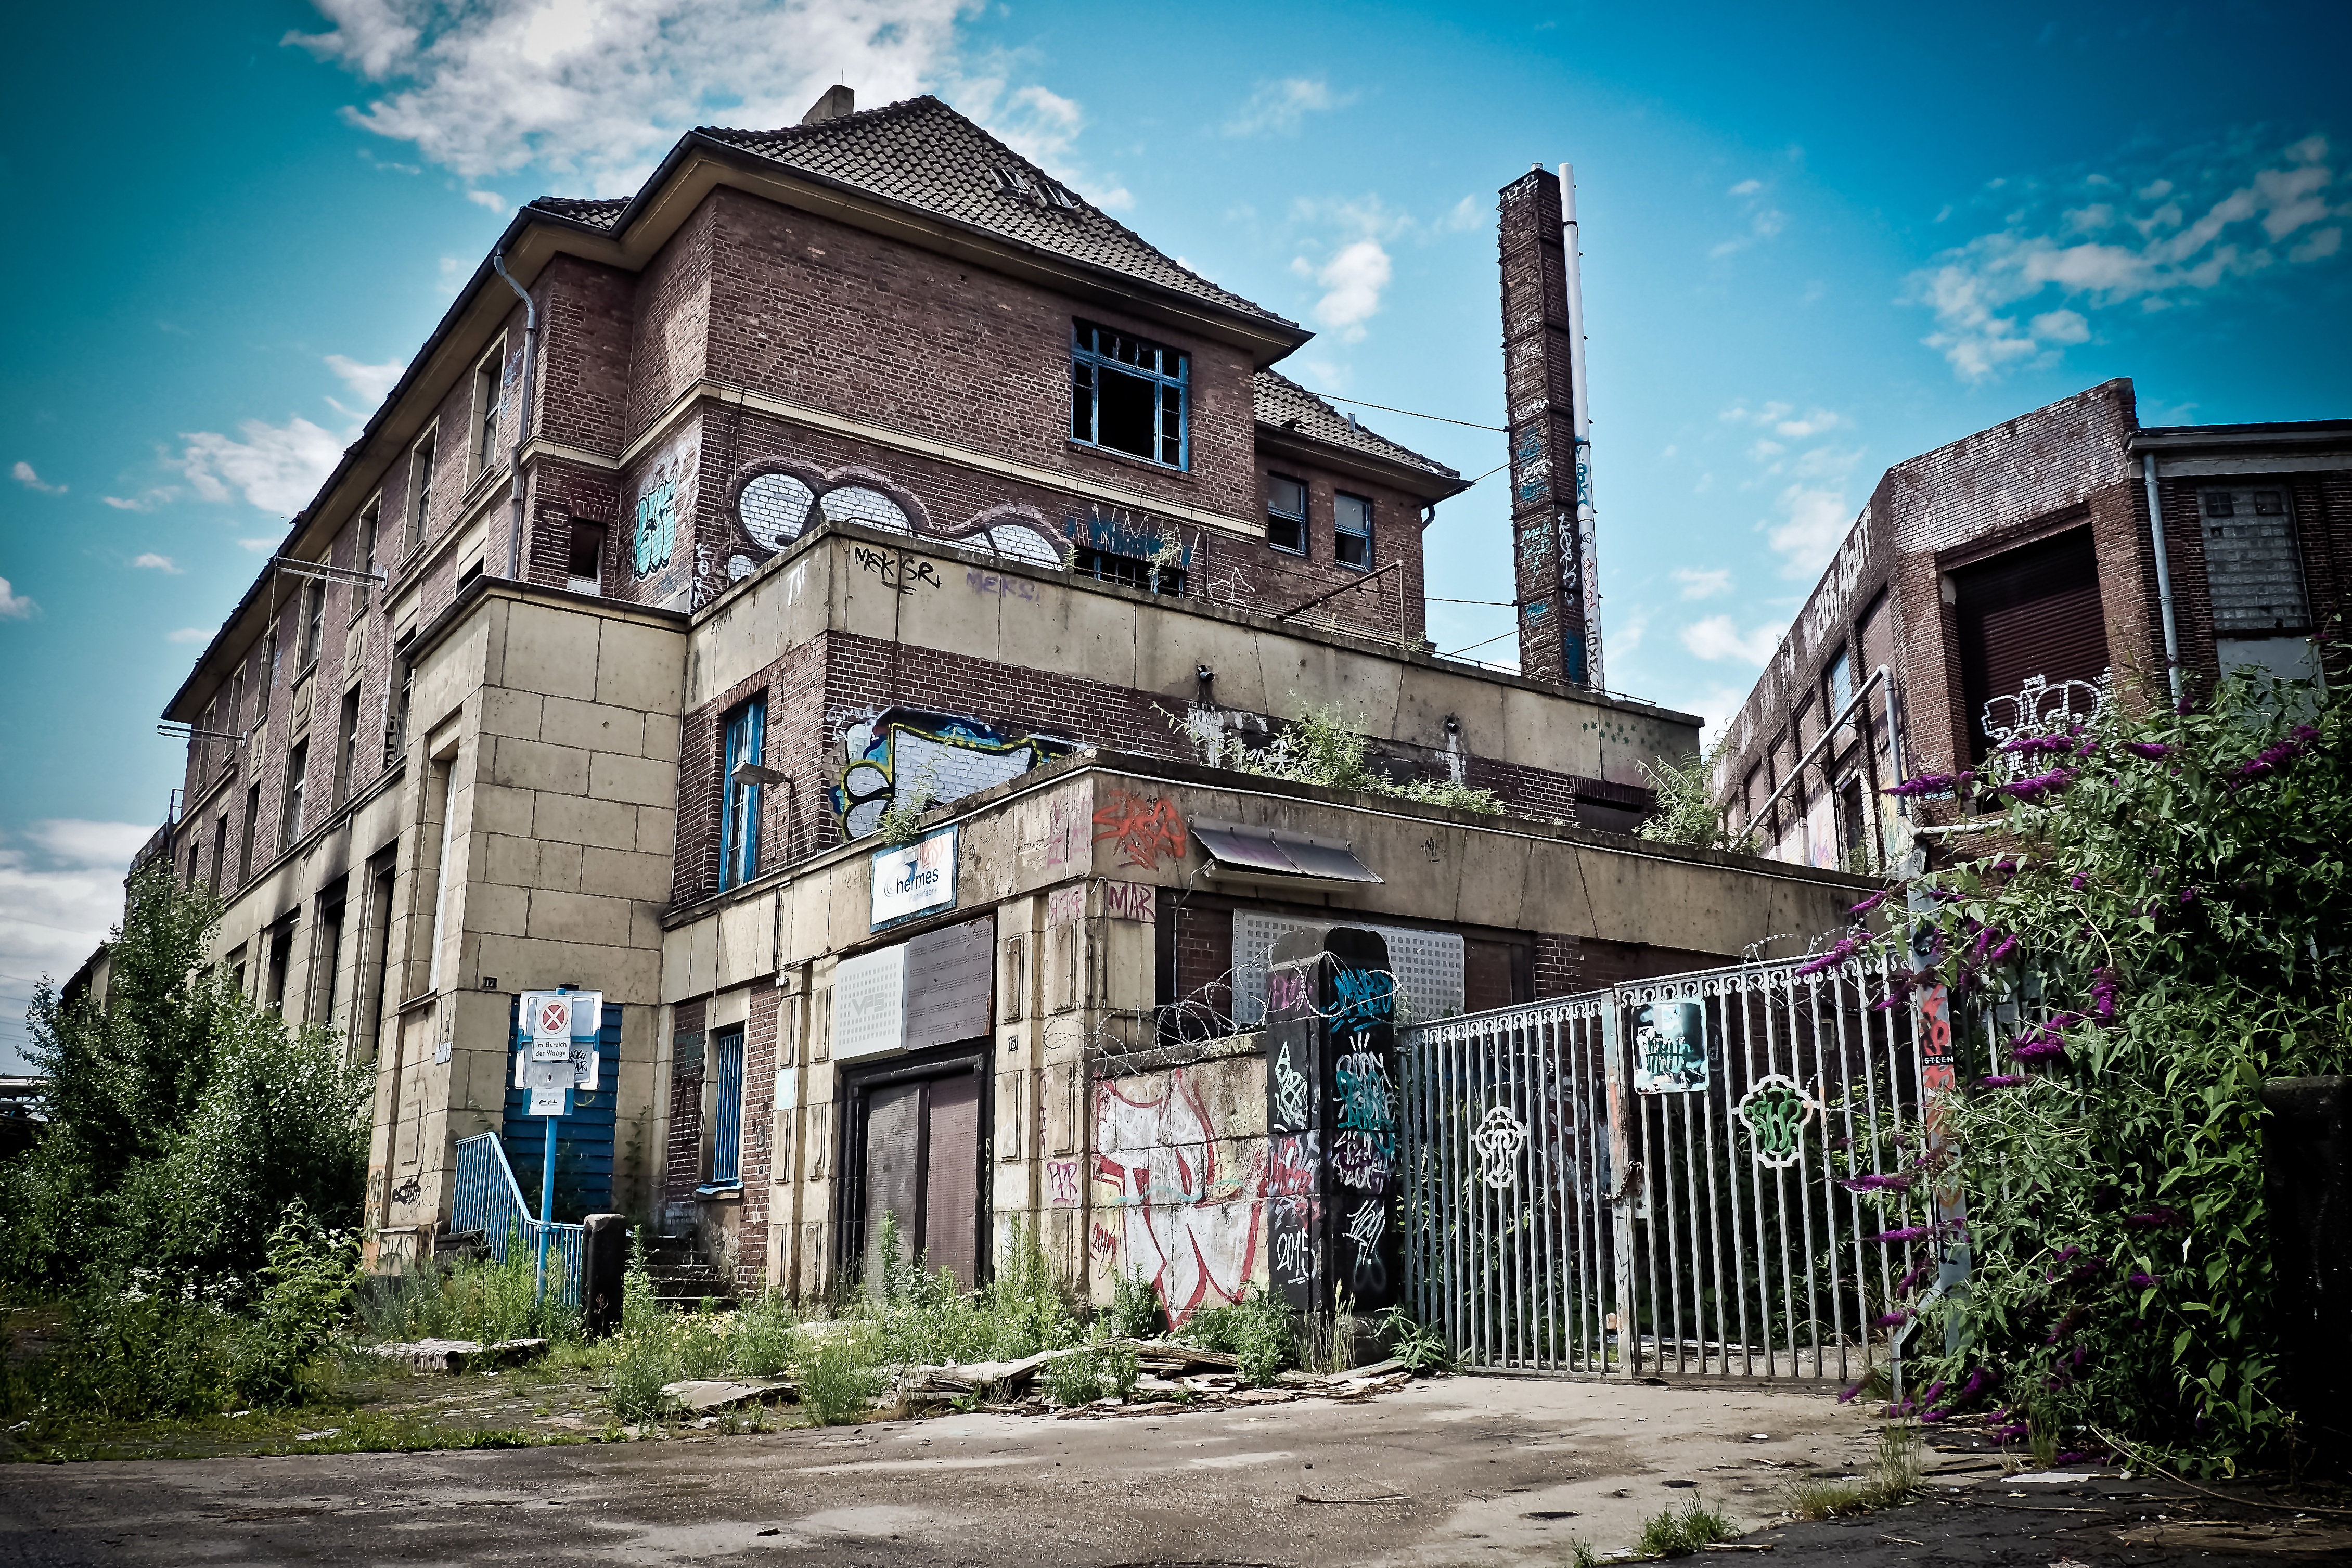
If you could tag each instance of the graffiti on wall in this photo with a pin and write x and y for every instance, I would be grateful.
(1062, 1182)
(904, 755)
(776, 502)
(1188, 1206)
(1146, 829)
(662, 493)
(1363, 1148)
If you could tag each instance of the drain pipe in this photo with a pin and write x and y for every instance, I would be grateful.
(2163, 575)
(522, 415)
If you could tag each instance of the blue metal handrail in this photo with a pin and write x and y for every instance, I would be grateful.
(488, 1200)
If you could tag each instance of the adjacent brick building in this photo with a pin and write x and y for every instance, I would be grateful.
(858, 567)
(2008, 582)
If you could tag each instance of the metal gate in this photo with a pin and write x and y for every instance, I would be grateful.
(1650, 1178)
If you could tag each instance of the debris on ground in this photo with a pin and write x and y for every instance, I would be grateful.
(462, 1355)
(700, 1395)
(1170, 1377)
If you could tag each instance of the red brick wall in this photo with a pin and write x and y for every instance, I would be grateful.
(758, 1152)
(1558, 964)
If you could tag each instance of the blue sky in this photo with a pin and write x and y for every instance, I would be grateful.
(1815, 245)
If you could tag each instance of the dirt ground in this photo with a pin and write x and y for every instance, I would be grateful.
(1455, 1470)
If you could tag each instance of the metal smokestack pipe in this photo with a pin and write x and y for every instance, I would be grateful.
(1587, 549)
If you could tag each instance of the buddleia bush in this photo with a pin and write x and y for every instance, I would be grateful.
(2169, 905)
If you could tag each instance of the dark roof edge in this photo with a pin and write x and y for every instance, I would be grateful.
(1422, 483)
(2281, 434)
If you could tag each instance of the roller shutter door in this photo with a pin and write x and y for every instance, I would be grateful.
(2031, 611)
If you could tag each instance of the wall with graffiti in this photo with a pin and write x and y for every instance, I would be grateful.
(775, 501)
(657, 550)
(902, 756)
(1180, 1181)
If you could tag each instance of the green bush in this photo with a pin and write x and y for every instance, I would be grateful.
(760, 1340)
(1134, 1307)
(641, 1366)
(309, 1279)
(1074, 1379)
(837, 1384)
(138, 1353)
(2173, 893)
(1260, 1330)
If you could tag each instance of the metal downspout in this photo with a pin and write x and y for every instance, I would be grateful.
(522, 415)
(2163, 575)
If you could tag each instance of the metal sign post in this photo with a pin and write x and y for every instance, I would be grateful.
(561, 1027)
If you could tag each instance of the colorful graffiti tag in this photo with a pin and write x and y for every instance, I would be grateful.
(1190, 1227)
(1147, 830)
(904, 755)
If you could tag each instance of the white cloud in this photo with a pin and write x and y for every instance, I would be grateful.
(2100, 255)
(1718, 638)
(277, 467)
(1745, 189)
(600, 88)
(145, 501)
(1703, 583)
(61, 893)
(1764, 221)
(1352, 280)
(369, 382)
(1813, 520)
(14, 607)
(1468, 213)
(192, 635)
(1280, 106)
(154, 562)
(490, 199)
(23, 475)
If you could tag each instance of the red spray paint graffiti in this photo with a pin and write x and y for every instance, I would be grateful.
(1190, 1230)
(1147, 830)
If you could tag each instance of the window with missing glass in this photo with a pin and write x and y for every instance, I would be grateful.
(1352, 531)
(1286, 514)
(1127, 395)
(738, 824)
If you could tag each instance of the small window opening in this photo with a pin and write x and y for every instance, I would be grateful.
(1352, 531)
(1286, 514)
(585, 574)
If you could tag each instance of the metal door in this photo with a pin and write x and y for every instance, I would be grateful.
(1652, 1178)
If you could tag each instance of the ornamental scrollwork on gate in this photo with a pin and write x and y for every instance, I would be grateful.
(1498, 1140)
(1775, 1109)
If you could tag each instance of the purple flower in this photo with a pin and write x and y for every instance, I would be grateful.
(2141, 1280)
(2152, 750)
(1845, 1394)
(1901, 1184)
(2188, 895)
(1871, 903)
(2076, 883)
(1888, 1320)
(1931, 784)
(2034, 788)
(1839, 952)
(2001, 1081)
(1909, 1232)
(1912, 1281)
(2038, 1042)
(2102, 998)
(2157, 1218)
(2271, 758)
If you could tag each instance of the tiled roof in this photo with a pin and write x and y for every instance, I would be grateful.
(1287, 405)
(595, 212)
(920, 152)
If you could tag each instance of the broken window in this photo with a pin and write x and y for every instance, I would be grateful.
(1129, 570)
(369, 522)
(420, 492)
(314, 621)
(1352, 531)
(738, 824)
(1127, 395)
(297, 763)
(347, 746)
(487, 405)
(1286, 514)
(585, 572)
(2251, 562)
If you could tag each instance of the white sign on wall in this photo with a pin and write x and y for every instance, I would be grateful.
(869, 1005)
(916, 878)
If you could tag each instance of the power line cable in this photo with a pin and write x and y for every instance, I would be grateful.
(1413, 414)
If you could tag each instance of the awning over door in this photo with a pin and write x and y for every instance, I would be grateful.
(1269, 857)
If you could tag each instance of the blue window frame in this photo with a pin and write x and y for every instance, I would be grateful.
(727, 1110)
(1352, 531)
(738, 822)
(1127, 395)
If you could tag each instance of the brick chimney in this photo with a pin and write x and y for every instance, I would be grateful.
(1536, 381)
(837, 101)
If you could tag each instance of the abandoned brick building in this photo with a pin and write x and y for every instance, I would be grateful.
(2010, 582)
(809, 602)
